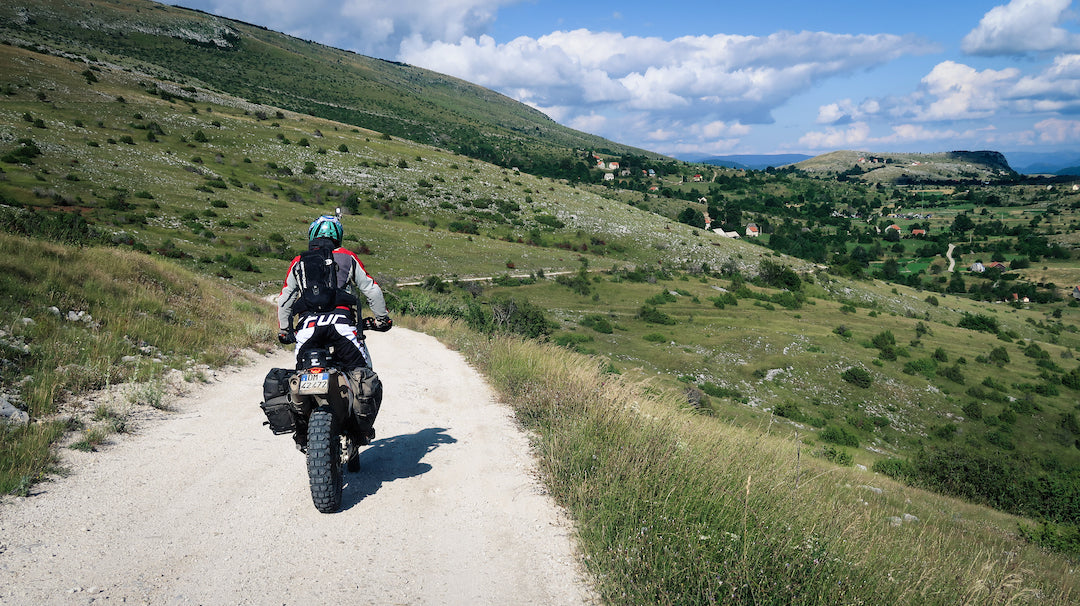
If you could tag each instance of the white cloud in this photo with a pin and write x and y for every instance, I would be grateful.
(1057, 89)
(855, 135)
(1056, 130)
(1023, 26)
(686, 83)
(718, 129)
(371, 27)
(845, 111)
(962, 92)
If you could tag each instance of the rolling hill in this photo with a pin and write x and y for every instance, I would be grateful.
(112, 150)
(188, 48)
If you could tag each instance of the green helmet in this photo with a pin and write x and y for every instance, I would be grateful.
(326, 226)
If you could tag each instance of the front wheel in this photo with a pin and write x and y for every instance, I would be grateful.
(324, 461)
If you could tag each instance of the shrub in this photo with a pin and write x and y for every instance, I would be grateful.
(718, 391)
(521, 317)
(978, 322)
(999, 356)
(654, 316)
(883, 339)
(898, 469)
(952, 373)
(655, 337)
(836, 455)
(839, 435)
(973, 410)
(598, 323)
(923, 366)
(858, 377)
(778, 276)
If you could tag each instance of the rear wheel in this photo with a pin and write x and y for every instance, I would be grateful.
(324, 461)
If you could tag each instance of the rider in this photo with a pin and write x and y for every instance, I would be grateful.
(342, 332)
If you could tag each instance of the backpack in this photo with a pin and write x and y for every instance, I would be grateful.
(316, 275)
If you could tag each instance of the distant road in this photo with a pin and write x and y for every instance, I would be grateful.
(948, 255)
(547, 274)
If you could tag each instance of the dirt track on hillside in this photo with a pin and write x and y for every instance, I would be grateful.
(206, 506)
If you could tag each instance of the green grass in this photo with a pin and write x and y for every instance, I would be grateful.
(673, 507)
(140, 316)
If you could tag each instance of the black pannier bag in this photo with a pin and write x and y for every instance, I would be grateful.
(275, 404)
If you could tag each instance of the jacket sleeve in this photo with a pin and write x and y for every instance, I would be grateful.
(290, 292)
(363, 283)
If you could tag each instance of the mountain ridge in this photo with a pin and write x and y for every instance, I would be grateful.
(268, 67)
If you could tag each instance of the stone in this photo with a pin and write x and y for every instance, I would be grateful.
(12, 415)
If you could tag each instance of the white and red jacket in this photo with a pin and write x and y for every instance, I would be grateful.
(351, 276)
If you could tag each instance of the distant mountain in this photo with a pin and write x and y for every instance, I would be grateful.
(1042, 163)
(908, 168)
(747, 161)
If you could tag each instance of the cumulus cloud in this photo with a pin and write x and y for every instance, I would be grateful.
(1056, 89)
(1056, 130)
(845, 111)
(1023, 26)
(652, 85)
(853, 136)
(371, 27)
(859, 135)
(959, 91)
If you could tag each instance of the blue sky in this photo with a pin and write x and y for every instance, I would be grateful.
(686, 77)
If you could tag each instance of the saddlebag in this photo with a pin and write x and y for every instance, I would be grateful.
(369, 396)
(276, 404)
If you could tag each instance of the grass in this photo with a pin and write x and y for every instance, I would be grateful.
(140, 316)
(673, 507)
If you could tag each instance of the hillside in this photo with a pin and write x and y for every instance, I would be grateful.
(185, 48)
(911, 168)
(153, 183)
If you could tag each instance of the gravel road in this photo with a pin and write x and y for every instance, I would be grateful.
(206, 506)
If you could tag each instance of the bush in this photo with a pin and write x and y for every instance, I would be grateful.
(952, 373)
(978, 322)
(836, 455)
(655, 337)
(521, 317)
(655, 316)
(598, 323)
(858, 377)
(923, 366)
(973, 410)
(898, 469)
(839, 435)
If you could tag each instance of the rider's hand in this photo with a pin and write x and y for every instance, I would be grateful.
(383, 323)
(285, 337)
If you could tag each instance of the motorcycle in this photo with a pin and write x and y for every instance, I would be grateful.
(330, 412)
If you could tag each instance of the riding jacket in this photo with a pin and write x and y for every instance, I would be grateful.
(351, 275)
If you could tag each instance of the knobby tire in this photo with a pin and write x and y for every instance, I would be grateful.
(324, 462)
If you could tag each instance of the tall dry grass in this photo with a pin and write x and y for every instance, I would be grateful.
(673, 507)
(75, 319)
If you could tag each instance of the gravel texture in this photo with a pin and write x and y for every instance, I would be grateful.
(206, 506)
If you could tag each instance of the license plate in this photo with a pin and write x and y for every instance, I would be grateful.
(315, 384)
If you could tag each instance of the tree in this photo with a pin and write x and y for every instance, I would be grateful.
(692, 216)
(962, 223)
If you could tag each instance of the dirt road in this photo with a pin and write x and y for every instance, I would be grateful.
(208, 507)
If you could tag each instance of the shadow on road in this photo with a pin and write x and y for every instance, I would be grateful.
(390, 459)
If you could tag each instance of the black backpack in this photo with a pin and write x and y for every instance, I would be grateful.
(316, 275)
